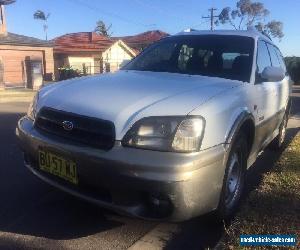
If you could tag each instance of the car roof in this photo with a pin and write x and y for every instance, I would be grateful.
(246, 33)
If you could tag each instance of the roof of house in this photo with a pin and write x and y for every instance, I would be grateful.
(140, 41)
(81, 42)
(93, 42)
(15, 39)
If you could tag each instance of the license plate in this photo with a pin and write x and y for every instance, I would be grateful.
(59, 166)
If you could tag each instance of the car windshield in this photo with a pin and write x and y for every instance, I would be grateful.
(210, 55)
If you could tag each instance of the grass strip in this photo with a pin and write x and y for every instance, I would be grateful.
(274, 207)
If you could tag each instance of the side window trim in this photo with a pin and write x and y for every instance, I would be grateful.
(281, 60)
(271, 46)
(257, 76)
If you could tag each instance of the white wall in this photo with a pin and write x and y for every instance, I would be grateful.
(115, 55)
(77, 62)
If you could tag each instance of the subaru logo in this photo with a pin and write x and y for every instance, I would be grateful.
(67, 125)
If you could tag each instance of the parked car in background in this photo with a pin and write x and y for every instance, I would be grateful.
(171, 135)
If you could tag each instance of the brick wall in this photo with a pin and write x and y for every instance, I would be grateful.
(13, 59)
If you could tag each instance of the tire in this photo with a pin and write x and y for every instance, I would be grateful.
(234, 179)
(278, 141)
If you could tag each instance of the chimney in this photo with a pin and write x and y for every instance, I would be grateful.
(92, 36)
(3, 30)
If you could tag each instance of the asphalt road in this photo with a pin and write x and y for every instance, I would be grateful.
(35, 215)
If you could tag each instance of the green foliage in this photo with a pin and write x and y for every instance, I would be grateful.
(40, 15)
(67, 73)
(293, 67)
(248, 13)
(102, 29)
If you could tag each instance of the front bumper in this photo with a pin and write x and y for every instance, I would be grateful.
(142, 183)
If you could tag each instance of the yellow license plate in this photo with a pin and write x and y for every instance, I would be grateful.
(58, 166)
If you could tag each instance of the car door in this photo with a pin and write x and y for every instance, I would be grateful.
(265, 98)
(282, 87)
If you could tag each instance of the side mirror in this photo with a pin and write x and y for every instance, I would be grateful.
(272, 74)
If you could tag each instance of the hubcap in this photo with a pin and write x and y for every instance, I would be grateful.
(233, 179)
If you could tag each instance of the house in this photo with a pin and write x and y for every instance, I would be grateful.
(90, 52)
(81, 51)
(117, 53)
(24, 61)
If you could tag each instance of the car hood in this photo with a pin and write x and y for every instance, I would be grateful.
(127, 96)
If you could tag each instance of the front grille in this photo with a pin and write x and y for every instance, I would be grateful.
(87, 130)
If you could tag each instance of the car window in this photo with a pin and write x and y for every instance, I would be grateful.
(281, 60)
(158, 56)
(263, 57)
(210, 55)
(274, 57)
(206, 55)
(230, 58)
(185, 55)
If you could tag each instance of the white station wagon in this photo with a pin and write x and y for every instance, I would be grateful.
(171, 135)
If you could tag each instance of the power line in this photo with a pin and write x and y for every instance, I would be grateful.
(211, 16)
(200, 24)
(156, 8)
(107, 13)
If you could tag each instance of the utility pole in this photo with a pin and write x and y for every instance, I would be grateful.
(211, 17)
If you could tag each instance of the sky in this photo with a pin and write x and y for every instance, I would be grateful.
(129, 17)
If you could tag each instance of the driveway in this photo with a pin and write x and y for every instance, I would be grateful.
(35, 215)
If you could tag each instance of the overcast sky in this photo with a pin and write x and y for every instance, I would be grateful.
(130, 17)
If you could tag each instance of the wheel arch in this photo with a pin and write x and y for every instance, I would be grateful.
(244, 122)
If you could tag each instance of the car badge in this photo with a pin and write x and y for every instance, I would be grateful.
(67, 125)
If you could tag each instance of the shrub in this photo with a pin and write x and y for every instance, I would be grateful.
(67, 73)
(293, 68)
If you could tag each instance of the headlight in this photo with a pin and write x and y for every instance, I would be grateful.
(180, 134)
(31, 113)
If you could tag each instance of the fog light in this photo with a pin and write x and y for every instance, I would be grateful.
(155, 201)
(160, 205)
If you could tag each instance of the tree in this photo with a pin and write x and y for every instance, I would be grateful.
(40, 15)
(6, 2)
(273, 28)
(248, 13)
(101, 29)
(293, 68)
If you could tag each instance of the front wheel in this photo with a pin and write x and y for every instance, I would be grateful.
(233, 183)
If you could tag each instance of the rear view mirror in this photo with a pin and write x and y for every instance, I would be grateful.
(272, 74)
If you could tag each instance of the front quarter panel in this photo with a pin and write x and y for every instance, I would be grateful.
(222, 112)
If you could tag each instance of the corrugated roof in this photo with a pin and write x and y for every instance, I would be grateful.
(15, 39)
